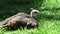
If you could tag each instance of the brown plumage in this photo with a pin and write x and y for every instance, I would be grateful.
(21, 20)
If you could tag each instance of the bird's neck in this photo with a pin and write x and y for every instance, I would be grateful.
(31, 14)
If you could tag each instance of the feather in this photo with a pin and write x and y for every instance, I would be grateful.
(19, 20)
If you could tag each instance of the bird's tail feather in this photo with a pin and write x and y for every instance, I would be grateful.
(2, 25)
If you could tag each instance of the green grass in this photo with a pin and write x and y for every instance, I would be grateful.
(49, 20)
(49, 24)
(53, 3)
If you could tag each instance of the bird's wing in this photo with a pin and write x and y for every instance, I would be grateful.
(19, 18)
(13, 17)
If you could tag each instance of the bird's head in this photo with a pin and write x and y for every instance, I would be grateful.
(34, 12)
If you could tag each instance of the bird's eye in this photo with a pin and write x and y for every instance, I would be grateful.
(35, 12)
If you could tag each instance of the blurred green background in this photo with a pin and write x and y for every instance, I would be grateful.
(49, 19)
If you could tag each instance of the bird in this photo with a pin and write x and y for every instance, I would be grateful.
(21, 19)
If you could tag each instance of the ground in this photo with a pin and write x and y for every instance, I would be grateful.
(49, 20)
(48, 24)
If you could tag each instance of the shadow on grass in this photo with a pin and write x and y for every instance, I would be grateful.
(23, 28)
(11, 7)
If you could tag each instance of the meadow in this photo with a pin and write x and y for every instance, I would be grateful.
(49, 19)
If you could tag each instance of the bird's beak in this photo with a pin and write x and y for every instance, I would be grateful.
(38, 12)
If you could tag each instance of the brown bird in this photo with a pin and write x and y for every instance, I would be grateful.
(21, 19)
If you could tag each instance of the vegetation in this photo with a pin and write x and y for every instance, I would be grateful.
(49, 19)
